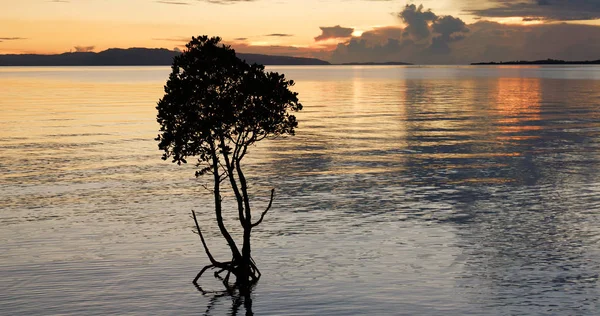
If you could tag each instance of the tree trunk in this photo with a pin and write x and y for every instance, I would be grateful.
(242, 266)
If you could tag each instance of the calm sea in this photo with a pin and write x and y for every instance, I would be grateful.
(406, 191)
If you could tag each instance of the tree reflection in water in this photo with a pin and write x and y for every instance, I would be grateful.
(237, 300)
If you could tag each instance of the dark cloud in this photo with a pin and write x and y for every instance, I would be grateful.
(485, 41)
(553, 10)
(449, 40)
(530, 19)
(362, 50)
(279, 35)
(417, 21)
(490, 41)
(382, 34)
(426, 37)
(174, 2)
(448, 25)
(334, 32)
(450, 29)
(84, 49)
(12, 38)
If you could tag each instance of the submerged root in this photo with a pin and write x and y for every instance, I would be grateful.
(246, 274)
(231, 268)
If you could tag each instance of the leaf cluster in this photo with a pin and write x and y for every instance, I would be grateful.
(215, 102)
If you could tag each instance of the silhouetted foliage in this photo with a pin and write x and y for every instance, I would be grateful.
(215, 106)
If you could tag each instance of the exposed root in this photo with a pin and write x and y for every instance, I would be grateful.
(201, 272)
(231, 268)
(244, 279)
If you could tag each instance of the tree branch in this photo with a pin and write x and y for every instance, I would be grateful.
(218, 207)
(210, 257)
(262, 216)
(240, 156)
(244, 189)
(222, 177)
(237, 144)
(223, 167)
(204, 186)
(236, 191)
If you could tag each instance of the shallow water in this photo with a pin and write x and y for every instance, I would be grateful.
(406, 191)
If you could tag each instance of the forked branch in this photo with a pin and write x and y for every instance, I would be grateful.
(262, 216)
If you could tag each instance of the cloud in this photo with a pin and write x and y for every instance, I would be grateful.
(489, 41)
(451, 29)
(84, 49)
(281, 50)
(361, 50)
(417, 21)
(183, 39)
(279, 35)
(382, 34)
(552, 10)
(173, 2)
(12, 38)
(446, 26)
(333, 32)
(485, 41)
(425, 37)
(452, 41)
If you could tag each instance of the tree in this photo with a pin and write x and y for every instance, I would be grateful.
(215, 106)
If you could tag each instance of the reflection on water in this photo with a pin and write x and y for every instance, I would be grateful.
(236, 299)
(518, 102)
(435, 190)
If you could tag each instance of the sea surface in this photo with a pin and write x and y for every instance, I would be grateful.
(406, 191)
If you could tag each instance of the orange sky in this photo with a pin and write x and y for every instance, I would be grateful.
(55, 26)
(52, 27)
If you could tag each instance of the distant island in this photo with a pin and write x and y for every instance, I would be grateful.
(387, 63)
(136, 57)
(541, 62)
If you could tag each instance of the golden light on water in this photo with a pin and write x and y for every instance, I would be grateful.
(518, 103)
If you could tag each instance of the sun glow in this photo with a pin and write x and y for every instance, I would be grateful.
(357, 33)
(519, 20)
(260, 43)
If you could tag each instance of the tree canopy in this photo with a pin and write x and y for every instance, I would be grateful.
(213, 98)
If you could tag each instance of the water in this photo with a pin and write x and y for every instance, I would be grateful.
(406, 191)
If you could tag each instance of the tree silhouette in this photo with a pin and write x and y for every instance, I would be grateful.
(215, 106)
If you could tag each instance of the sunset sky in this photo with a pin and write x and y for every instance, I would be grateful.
(442, 31)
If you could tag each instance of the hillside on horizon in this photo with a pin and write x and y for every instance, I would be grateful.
(136, 57)
(548, 61)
